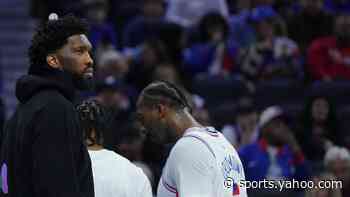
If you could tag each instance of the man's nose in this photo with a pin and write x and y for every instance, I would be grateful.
(89, 60)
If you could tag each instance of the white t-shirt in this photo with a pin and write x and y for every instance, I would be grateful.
(116, 176)
(198, 166)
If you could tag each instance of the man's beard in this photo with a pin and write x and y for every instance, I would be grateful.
(162, 134)
(81, 82)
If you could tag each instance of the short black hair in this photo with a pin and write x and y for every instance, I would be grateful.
(93, 117)
(166, 93)
(51, 36)
(209, 20)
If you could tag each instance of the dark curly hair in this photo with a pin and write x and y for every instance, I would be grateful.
(210, 20)
(93, 118)
(50, 37)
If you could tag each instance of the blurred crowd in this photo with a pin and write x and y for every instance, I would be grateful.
(229, 48)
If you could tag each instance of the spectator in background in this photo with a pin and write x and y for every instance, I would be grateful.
(318, 129)
(173, 41)
(145, 61)
(287, 9)
(188, 13)
(102, 34)
(113, 174)
(337, 6)
(273, 56)
(241, 30)
(112, 63)
(200, 111)
(117, 98)
(258, 3)
(172, 38)
(146, 26)
(166, 72)
(277, 155)
(329, 57)
(215, 54)
(121, 12)
(325, 192)
(245, 130)
(337, 162)
(312, 22)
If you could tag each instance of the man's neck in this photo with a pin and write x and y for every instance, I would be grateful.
(95, 147)
(183, 122)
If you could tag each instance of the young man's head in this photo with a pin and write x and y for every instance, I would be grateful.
(273, 127)
(93, 119)
(213, 27)
(62, 45)
(159, 105)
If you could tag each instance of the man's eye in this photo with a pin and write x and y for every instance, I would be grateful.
(79, 51)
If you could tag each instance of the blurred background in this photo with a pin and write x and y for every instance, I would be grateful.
(250, 67)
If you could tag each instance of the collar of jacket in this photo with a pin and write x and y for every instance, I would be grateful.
(29, 85)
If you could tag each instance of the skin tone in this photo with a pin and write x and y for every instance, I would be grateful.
(164, 123)
(73, 57)
(247, 122)
(94, 147)
(277, 133)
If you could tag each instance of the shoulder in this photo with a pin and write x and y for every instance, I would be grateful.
(191, 149)
(124, 163)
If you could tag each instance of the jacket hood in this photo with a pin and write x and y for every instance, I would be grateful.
(29, 85)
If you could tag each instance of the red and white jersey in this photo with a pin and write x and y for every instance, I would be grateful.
(202, 164)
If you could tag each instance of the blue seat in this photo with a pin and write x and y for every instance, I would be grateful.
(217, 90)
(279, 92)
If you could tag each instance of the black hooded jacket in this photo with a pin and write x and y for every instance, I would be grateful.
(43, 152)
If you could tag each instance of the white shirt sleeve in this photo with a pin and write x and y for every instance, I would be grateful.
(191, 168)
(144, 189)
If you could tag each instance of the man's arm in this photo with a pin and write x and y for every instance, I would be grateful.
(54, 164)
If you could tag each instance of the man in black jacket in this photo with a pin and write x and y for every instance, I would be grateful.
(43, 152)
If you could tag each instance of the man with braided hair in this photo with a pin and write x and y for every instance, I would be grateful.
(202, 163)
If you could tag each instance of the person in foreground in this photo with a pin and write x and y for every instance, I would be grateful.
(113, 174)
(43, 151)
(202, 163)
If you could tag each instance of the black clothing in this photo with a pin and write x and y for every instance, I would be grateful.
(43, 151)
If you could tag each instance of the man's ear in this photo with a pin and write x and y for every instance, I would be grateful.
(53, 61)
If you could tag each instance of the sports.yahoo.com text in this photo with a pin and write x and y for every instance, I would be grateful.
(285, 184)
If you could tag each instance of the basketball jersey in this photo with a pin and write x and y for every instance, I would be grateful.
(202, 164)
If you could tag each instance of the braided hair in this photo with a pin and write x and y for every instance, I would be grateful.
(93, 118)
(166, 93)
